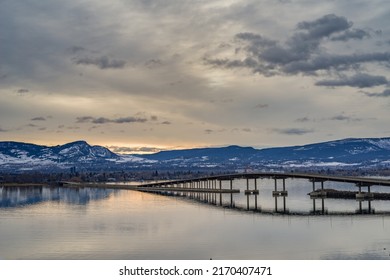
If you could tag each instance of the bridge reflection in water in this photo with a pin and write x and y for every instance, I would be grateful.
(224, 190)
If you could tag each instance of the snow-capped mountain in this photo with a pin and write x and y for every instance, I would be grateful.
(24, 156)
(346, 153)
(358, 152)
(81, 151)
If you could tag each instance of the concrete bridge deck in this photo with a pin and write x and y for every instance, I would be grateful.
(359, 181)
(213, 188)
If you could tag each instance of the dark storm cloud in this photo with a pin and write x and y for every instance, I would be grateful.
(266, 70)
(385, 93)
(324, 26)
(102, 62)
(343, 117)
(76, 49)
(3, 130)
(129, 120)
(304, 119)
(360, 81)
(212, 131)
(334, 62)
(340, 118)
(293, 131)
(256, 40)
(354, 34)
(22, 90)
(38, 119)
(300, 46)
(153, 63)
(102, 120)
(85, 119)
(303, 51)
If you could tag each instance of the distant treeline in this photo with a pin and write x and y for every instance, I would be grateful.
(122, 176)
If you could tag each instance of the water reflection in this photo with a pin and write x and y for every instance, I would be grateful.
(135, 225)
(264, 197)
(23, 196)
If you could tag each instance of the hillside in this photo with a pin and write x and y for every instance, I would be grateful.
(345, 153)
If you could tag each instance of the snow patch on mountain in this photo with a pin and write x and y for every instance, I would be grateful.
(321, 164)
(381, 143)
(361, 150)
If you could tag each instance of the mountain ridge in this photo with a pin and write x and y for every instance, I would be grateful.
(342, 153)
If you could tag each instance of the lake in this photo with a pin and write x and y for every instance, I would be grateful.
(89, 223)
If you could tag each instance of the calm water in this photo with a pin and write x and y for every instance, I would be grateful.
(84, 223)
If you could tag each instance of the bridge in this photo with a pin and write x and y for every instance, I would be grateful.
(209, 183)
(207, 188)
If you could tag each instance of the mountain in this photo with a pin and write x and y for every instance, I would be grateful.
(340, 153)
(346, 153)
(79, 151)
(24, 156)
(220, 154)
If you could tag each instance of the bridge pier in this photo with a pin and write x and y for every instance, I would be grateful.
(365, 196)
(249, 192)
(318, 194)
(231, 195)
(315, 180)
(214, 194)
(206, 186)
(208, 195)
(284, 197)
(322, 210)
(211, 186)
(283, 193)
(220, 194)
(257, 194)
(368, 210)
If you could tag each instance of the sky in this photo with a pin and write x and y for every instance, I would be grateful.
(141, 76)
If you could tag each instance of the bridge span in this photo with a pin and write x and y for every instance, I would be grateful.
(208, 187)
(219, 189)
(195, 182)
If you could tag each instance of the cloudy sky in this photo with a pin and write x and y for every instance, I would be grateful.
(141, 75)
